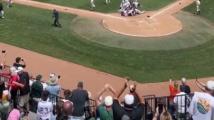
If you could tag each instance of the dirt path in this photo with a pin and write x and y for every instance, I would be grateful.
(159, 23)
(72, 73)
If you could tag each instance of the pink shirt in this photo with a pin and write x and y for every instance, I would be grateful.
(14, 115)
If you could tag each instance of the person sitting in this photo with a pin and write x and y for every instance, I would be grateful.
(79, 97)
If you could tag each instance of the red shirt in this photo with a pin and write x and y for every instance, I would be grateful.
(12, 78)
(173, 91)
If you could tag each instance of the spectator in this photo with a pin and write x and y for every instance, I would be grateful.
(13, 84)
(134, 112)
(202, 104)
(165, 115)
(25, 90)
(181, 102)
(184, 86)
(104, 109)
(4, 104)
(173, 89)
(80, 98)
(19, 62)
(67, 94)
(1, 10)
(45, 108)
(36, 89)
(68, 110)
(132, 90)
(53, 88)
(14, 114)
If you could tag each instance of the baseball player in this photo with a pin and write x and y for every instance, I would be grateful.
(1, 10)
(198, 3)
(9, 3)
(108, 1)
(92, 4)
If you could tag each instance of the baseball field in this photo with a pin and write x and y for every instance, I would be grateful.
(83, 40)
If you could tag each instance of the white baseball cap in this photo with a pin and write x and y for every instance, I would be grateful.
(210, 85)
(183, 79)
(108, 101)
(129, 99)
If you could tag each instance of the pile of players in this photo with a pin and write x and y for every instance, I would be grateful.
(129, 8)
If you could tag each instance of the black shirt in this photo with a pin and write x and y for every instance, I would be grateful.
(2, 88)
(24, 79)
(56, 14)
(136, 113)
(79, 97)
(186, 89)
(19, 65)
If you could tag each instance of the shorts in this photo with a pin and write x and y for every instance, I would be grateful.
(23, 100)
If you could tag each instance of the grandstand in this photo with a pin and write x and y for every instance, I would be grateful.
(63, 60)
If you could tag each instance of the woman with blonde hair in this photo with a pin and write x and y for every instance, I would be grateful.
(165, 115)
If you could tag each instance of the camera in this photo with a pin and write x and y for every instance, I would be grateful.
(3, 51)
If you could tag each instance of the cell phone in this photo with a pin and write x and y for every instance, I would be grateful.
(3, 51)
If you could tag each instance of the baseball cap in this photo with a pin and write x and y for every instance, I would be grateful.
(108, 101)
(129, 99)
(210, 85)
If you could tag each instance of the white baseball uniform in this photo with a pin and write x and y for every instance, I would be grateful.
(198, 3)
(92, 4)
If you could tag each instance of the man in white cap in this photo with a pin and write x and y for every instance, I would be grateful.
(202, 104)
(104, 109)
(184, 86)
(128, 108)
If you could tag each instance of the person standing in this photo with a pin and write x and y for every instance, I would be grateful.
(202, 104)
(1, 10)
(79, 97)
(184, 86)
(56, 18)
(92, 4)
(198, 3)
(45, 108)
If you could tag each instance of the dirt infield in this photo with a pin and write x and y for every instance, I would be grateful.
(72, 73)
(150, 24)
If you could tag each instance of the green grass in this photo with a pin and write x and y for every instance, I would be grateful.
(30, 28)
(207, 9)
(190, 36)
(113, 7)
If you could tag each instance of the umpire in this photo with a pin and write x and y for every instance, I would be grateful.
(56, 18)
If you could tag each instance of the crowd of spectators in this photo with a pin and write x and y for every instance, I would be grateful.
(20, 93)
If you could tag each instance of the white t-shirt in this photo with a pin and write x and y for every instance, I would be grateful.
(45, 110)
(180, 101)
(202, 106)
